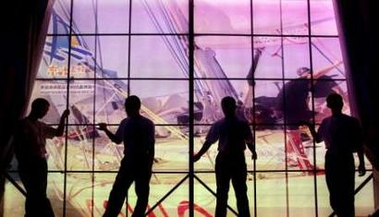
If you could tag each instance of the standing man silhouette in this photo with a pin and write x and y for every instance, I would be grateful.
(292, 103)
(232, 134)
(137, 132)
(342, 135)
(30, 150)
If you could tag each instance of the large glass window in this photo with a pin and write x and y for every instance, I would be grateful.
(181, 61)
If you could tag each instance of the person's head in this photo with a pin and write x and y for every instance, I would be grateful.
(132, 105)
(303, 71)
(334, 101)
(40, 107)
(228, 105)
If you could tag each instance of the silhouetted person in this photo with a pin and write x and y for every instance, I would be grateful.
(30, 150)
(232, 134)
(342, 135)
(137, 132)
(292, 104)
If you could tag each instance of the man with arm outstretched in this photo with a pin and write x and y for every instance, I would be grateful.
(342, 135)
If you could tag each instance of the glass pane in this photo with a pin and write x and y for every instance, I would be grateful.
(59, 22)
(294, 18)
(111, 58)
(158, 57)
(112, 16)
(323, 21)
(159, 17)
(266, 17)
(223, 17)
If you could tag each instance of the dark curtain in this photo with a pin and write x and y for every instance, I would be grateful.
(360, 40)
(24, 26)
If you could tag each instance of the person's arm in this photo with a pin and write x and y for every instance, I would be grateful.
(249, 140)
(203, 149)
(251, 147)
(212, 137)
(152, 141)
(313, 131)
(361, 166)
(60, 129)
(111, 136)
(360, 150)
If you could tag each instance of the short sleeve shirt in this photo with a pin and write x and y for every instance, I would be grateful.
(31, 138)
(138, 135)
(340, 133)
(232, 134)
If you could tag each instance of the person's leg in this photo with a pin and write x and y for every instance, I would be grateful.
(119, 191)
(346, 187)
(27, 181)
(339, 174)
(240, 188)
(331, 182)
(49, 212)
(47, 208)
(222, 182)
(142, 188)
(34, 179)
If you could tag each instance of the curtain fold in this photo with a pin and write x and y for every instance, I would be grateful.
(25, 24)
(360, 39)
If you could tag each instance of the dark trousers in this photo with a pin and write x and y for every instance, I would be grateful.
(140, 173)
(33, 174)
(231, 168)
(340, 180)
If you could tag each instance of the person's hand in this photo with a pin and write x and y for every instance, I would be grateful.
(253, 155)
(102, 126)
(66, 113)
(196, 157)
(361, 170)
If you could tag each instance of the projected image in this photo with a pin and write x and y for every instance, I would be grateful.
(102, 51)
